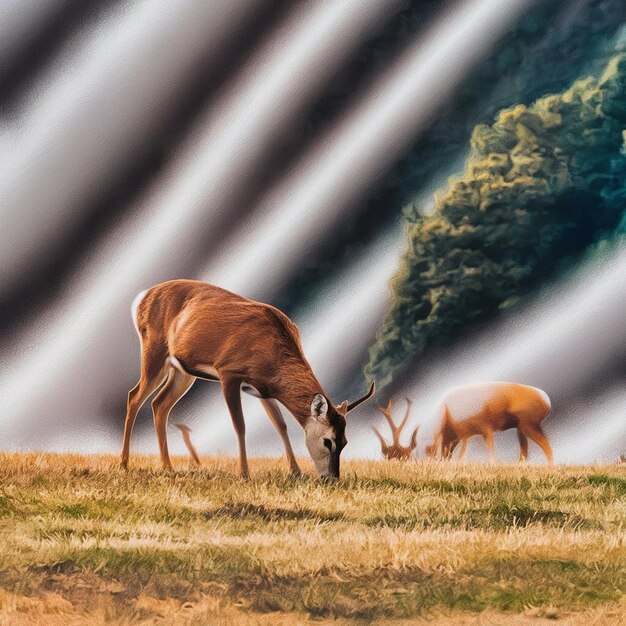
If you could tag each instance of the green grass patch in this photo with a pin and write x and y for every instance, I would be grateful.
(389, 541)
(615, 483)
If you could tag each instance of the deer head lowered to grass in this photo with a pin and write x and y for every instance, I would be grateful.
(189, 329)
(395, 450)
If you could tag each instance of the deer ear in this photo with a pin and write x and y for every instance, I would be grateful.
(342, 408)
(319, 407)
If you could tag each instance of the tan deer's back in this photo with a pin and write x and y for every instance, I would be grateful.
(497, 398)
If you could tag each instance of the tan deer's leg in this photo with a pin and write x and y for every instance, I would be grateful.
(539, 437)
(152, 375)
(488, 437)
(273, 410)
(523, 446)
(439, 447)
(232, 394)
(176, 386)
(451, 449)
(463, 449)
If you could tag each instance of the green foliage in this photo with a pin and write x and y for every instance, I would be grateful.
(543, 52)
(543, 182)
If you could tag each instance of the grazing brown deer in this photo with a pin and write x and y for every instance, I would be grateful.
(395, 450)
(487, 408)
(189, 329)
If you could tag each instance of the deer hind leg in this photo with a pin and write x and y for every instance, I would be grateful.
(232, 395)
(152, 375)
(523, 446)
(273, 410)
(539, 437)
(488, 437)
(176, 386)
(463, 450)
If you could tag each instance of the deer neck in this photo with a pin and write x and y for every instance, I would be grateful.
(451, 430)
(295, 388)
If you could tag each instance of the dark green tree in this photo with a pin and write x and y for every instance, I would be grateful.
(543, 182)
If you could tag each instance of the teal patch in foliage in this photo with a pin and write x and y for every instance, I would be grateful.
(544, 183)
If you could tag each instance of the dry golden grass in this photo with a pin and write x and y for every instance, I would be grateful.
(83, 541)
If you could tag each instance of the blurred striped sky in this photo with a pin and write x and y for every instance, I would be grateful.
(251, 145)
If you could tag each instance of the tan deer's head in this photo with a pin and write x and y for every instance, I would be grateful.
(446, 439)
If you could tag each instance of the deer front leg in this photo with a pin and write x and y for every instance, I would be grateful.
(488, 437)
(232, 394)
(275, 415)
(523, 446)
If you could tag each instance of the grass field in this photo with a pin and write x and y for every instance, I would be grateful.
(82, 541)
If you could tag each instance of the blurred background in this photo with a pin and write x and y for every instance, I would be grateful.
(434, 191)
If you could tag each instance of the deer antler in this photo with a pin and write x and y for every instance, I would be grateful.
(185, 430)
(396, 450)
(406, 416)
(413, 443)
(387, 412)
(384, 446)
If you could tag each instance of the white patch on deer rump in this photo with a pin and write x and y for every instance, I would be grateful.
(469, 400)
(134, 307)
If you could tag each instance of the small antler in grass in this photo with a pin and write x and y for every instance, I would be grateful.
(185, 430)
(395, 450)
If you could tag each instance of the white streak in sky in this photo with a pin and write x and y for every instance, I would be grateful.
(223, 151)
(92, 113)
(595, 431)
(360, 148)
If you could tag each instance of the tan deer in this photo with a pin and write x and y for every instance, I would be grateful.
(189, 329)
(487, 408)
(395, 450)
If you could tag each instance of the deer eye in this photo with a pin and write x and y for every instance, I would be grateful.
(328, 443)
